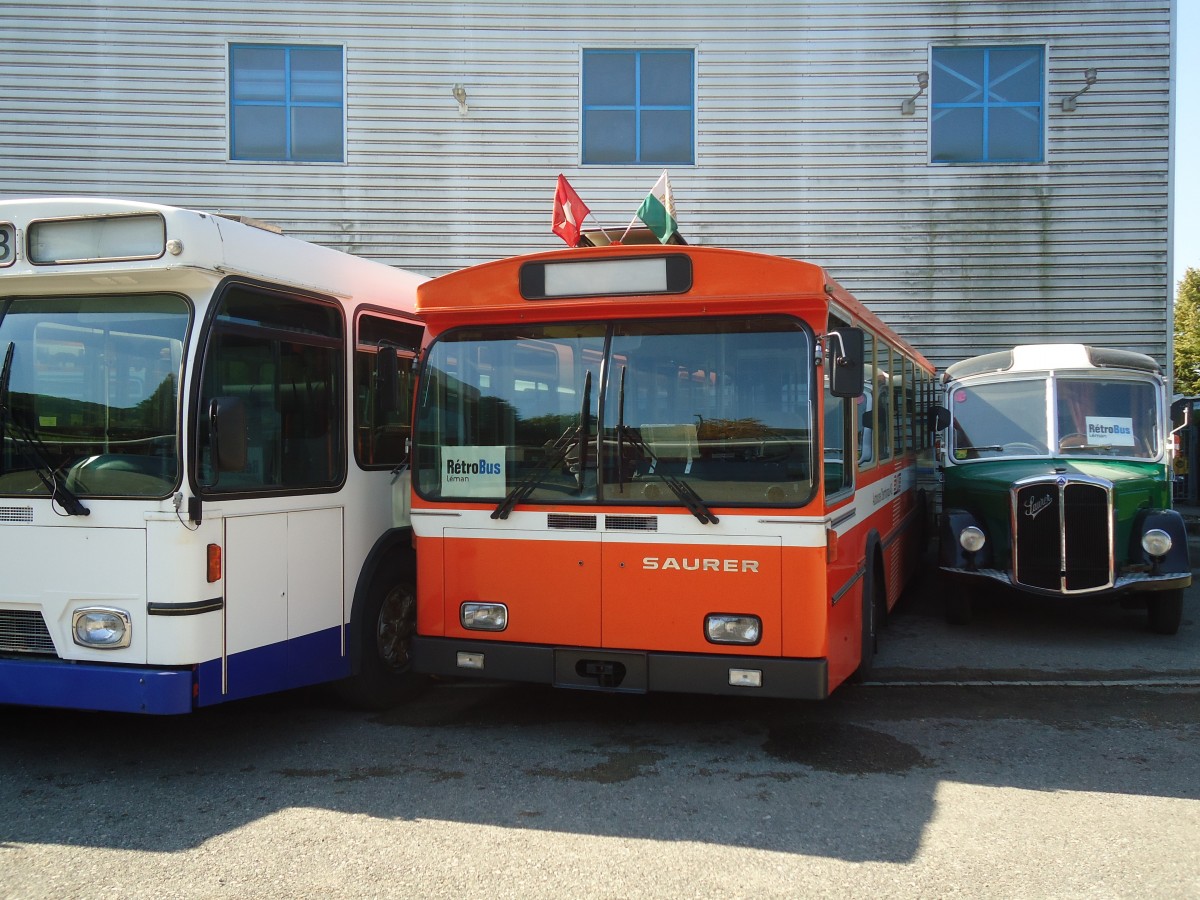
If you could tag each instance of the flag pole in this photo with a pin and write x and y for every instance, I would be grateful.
(629, 229)
(601, 227)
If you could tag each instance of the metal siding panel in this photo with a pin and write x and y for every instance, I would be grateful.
(801, 148)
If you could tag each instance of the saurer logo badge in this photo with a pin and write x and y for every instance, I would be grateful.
(669, 563)
(1035, 506)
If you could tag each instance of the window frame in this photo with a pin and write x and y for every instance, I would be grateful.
(1042, 105)
(271, 334)
(287, 104)
(637, 107)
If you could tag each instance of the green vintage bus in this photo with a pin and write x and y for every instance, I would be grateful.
(1057, 480)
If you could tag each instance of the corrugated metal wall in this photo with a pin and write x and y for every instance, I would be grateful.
(802, 149)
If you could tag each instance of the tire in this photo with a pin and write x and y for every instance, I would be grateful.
(874, 600)
(385, 676)
(1165, 611)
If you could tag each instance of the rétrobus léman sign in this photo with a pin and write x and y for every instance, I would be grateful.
(473, 472)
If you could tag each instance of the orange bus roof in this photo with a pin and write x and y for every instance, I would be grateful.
(721, 277)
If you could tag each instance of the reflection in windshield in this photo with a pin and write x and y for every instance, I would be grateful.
(687, 413)
(1092, 416)
(94, 380)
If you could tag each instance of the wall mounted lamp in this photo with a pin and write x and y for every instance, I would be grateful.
(909, 106)
(1089, 78)
(460, 94)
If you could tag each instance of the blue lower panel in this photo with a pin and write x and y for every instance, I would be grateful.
(310, 659)
(52, 682)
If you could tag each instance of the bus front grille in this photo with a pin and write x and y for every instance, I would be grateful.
(24, 631)
(1063, 535)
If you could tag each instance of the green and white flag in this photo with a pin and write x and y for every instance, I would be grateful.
(657, 211)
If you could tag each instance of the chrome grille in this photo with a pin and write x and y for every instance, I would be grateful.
(1062, 534)
(24, 631)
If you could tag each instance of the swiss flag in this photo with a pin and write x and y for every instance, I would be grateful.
(569, 213)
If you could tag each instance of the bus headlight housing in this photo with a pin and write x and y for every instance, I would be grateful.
(483, 616)
(1156, 542)
(725, 628)
(972, 538)
(101, 627)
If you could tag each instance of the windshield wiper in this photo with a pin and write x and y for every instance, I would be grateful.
(687, 496)
(575, 436)
(995, 447)
(33, 449)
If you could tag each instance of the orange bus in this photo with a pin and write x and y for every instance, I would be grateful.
(648, 467)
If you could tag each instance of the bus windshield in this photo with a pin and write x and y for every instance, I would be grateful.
(1101, 416)
(667, 412)
(92, 393)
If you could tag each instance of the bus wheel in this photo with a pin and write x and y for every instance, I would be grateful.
(874, 607)
(1165, 609)
(389, 624)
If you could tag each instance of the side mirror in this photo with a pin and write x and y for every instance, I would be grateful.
(844, 358)
(939, 418)
(227, 425)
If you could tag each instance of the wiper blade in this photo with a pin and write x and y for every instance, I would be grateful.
(684, 491)
(33, 448)
(575, 436)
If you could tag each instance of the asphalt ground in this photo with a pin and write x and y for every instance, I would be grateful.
(1016, 638)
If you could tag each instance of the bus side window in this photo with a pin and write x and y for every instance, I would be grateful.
(385, 351)
(883, 401)
(837, 443)
(866, 408)
(283, 358)
(837, 437)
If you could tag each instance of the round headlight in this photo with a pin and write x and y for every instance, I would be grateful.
(1156, 542)
(972, 538)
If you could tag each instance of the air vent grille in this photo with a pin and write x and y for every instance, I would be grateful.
(631, 523)
(570, 522)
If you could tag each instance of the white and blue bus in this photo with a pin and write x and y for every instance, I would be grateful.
(202, 426)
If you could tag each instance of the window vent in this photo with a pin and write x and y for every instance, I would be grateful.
(631, 523)
(16, 513)
(563, 520)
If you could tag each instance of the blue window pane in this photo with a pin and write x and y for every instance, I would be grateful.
(1016, 75)
(286, 103)
(317, 76)
(957, 76)
(638, 106)
(667, 136)
(260, 132)
(1015, 135)
(609, 136)
(986, 104)
(317, 133)
(958, 136)
(609, 79)
(667, 79)
(258, 74)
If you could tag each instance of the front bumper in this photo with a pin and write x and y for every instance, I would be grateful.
(105, 688)
(1127, 583)
(621, 671)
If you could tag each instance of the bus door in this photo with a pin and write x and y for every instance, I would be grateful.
(272, 394)
(283, 599)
